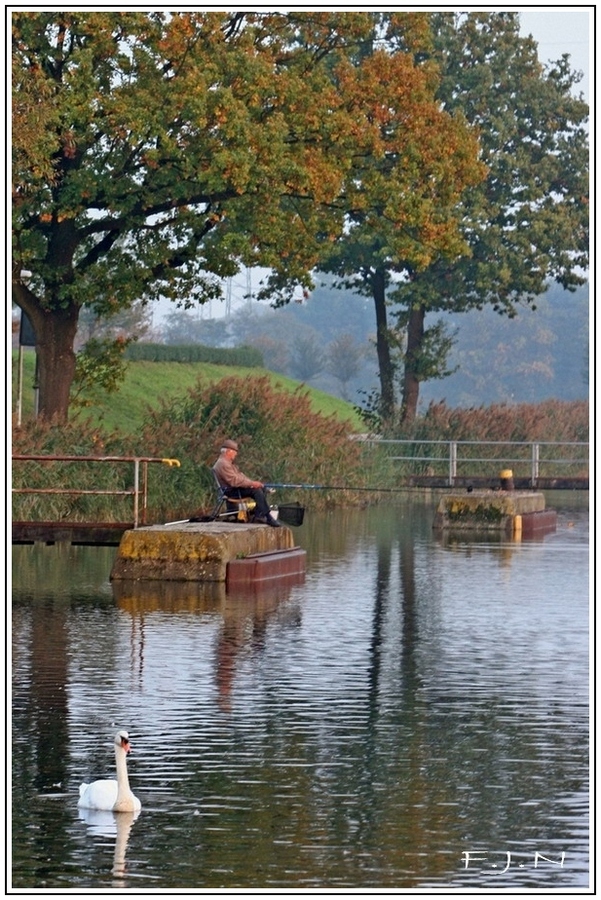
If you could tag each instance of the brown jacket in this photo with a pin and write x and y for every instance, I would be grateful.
(229, 475)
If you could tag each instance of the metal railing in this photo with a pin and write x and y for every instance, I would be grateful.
(139, 491)
(530, 457)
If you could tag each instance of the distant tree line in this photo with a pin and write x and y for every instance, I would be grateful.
(329, 341)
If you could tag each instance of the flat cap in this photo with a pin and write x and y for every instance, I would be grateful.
(231, 445)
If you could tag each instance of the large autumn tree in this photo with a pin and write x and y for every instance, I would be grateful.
(154, 152)
(174, 147)
(525, 223)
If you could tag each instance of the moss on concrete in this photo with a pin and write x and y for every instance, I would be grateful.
(193, 551)
(488, 510)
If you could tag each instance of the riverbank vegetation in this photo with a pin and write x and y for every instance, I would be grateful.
(283, 437)
(552, 420)
(486, 439)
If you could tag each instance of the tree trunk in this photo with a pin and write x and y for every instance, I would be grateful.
(386, 368)
(415, 338)
(55, 335)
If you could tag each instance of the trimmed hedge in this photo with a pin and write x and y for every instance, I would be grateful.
(249, 357)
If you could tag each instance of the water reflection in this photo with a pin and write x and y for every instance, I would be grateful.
(411, 701)
(104, 823)
(243, 612)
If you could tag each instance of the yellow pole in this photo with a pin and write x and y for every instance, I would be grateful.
(517, 528)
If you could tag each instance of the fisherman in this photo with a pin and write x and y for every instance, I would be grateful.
(236, 484)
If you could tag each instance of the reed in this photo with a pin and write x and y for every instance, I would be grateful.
(281, 439)
(551, 420)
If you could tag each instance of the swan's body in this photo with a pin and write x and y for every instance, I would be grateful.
(108, 794)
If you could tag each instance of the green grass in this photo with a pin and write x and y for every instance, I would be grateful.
(146, 384)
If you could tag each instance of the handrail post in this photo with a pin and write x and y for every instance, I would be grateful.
(20, 386)
(136, 490)
(144, 491)
(452, 462)
(535, 464)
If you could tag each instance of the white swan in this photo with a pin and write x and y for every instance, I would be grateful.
(107, 793)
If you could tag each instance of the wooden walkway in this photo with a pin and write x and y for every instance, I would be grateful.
(94, 534)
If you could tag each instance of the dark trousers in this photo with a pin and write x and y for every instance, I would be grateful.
(257, 494)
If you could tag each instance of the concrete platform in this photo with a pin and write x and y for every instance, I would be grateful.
(498, 511)
(194, 551)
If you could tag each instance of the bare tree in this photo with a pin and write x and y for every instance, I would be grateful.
(344, 359)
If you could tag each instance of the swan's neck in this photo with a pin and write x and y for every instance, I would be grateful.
(122, 778)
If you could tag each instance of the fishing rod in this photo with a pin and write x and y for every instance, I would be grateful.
(271, 486)
(334, 487)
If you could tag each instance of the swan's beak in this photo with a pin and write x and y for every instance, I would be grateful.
(126, 745)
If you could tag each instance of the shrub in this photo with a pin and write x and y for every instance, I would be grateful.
(281, 439)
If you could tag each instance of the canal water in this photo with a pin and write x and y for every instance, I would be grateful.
(412, 716)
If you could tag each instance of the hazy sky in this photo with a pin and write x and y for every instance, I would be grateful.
(561, 29)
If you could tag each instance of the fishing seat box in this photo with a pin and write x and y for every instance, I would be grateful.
(291, 513)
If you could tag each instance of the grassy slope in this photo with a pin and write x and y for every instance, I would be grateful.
(146, 384)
